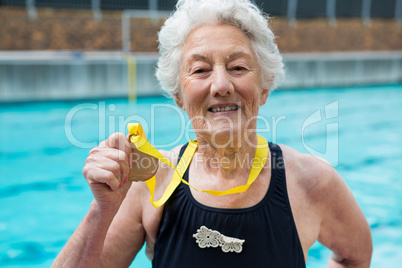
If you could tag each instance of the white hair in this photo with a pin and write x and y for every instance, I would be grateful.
(190, 14)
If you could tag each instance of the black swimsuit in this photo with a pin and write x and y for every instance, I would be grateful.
(265, 234)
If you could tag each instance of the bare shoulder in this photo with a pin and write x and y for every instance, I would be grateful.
(307, 180)
(173, 154)
(341, 224)
(312, 174)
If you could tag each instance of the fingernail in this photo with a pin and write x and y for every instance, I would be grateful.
(121, 184)
(126, 179)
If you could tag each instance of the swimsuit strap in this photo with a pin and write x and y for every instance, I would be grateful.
(139, 139)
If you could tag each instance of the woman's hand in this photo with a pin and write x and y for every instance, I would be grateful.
(112, 166)
(109, 175)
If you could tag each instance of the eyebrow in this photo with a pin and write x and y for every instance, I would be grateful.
(238, 54)
(195, 57)
(233, 56)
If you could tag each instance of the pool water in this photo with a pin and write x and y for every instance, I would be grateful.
(43, 146)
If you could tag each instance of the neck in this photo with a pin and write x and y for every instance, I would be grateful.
(228, 158)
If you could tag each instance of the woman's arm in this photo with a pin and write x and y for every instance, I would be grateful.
(344, 228)
(84, 248)
(99, 239)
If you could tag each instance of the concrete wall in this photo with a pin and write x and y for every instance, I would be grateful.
(337, 69)
(35, 76)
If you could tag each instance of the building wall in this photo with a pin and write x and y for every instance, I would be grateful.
(67, 29)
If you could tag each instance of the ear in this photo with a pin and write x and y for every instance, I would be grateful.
(264, 96)
(179, 101)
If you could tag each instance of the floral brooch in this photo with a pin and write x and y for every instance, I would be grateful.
(206, 238)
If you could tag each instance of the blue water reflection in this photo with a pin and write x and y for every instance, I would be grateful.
(43, 147)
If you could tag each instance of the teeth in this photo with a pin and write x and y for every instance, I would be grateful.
(223, 109)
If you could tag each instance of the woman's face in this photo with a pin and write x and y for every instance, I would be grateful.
(219, 79)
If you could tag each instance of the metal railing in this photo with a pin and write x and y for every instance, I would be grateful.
(333, 9)
(292, 9)
(125, 23)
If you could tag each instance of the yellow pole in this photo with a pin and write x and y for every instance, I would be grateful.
(132, 70)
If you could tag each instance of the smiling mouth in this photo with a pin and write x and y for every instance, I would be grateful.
(223, 109)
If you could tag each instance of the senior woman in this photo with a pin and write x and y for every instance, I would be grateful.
(219, 61)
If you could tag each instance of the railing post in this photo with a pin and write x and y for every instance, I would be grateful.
(153, 10)
(398, 12)
(331, 12)
(31, 9)
(291, 13)
(125, 32)
(153, 5)
(96, 9)
(366, 8)
(127, 14)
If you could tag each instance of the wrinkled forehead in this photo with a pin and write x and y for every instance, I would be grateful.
(226, 40)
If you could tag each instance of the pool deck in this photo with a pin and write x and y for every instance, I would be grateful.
(60, 75)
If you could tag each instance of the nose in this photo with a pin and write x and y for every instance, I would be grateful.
(221, 83)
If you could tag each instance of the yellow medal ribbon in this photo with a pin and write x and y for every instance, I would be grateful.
(139, 139)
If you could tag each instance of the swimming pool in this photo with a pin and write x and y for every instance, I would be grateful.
(43, 195)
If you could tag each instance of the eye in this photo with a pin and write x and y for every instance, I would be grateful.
(199, 71)
(238, 68)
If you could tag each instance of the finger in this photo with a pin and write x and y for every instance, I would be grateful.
(102, 144)
(97, 155)
(111, 165)
(98, 175)
(119, 141)
(117, 156)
